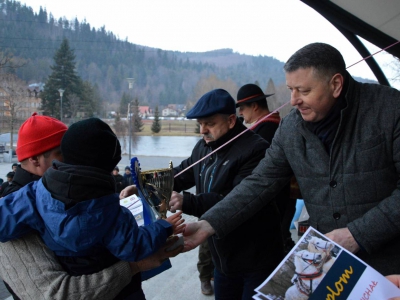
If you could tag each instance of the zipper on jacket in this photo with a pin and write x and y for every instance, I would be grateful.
(212, 176)
(206, 175)
(207, 170)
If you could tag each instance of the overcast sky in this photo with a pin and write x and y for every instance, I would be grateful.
(274, 28)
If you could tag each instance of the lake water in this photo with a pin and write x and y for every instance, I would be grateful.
(178, 146)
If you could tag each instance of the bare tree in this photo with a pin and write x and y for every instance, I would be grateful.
(210, 83)
(14, 100)
(8, 63)
(120, 129)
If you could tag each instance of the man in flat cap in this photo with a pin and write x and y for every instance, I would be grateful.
(251, 252)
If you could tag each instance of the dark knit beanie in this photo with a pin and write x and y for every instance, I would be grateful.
(92, 143)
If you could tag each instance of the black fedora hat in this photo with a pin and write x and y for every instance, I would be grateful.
(250, 93)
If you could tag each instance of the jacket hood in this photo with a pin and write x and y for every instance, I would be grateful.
(71, 184)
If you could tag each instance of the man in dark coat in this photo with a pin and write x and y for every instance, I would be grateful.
(244, 258)
(128, 176)
(4, 185)
(253, 107)
(119, 180)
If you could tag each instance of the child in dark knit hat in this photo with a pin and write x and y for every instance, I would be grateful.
(76, 209)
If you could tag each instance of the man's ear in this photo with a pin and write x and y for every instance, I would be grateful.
(34, 160)
(337, 82)
(232, 120)
(255, 106)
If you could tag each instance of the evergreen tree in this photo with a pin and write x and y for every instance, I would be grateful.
(120, 127)
(156, 126)
(64, 77)
(137, 119)
(92, 101)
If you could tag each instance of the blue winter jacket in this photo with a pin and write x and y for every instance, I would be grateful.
(81, 229)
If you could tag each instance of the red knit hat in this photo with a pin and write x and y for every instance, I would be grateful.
(39, 134)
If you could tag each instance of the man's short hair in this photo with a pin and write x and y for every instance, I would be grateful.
(323, 58)
(261, 103)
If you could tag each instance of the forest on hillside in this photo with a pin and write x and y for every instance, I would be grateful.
(161, 77)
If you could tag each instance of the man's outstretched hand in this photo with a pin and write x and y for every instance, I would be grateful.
(196, 233)
(155, 260)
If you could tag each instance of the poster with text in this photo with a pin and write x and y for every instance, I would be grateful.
(317, 268)
(134, 204)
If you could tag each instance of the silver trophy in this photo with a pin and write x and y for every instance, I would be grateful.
(155, 186)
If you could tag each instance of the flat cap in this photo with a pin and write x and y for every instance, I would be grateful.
(217, 101)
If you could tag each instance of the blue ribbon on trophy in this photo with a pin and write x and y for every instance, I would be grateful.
(154, 188)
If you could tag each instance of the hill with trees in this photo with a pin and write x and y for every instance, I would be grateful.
(105, 62)
(161, 77)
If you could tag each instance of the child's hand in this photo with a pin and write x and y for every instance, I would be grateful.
(128, 191)
(177, 222)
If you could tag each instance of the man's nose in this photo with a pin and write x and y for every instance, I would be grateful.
(294, 98)
(203, 130)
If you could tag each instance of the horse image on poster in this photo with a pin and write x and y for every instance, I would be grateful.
(308, 275)
(318, 245)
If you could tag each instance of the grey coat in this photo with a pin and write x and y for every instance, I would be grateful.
(356, 186)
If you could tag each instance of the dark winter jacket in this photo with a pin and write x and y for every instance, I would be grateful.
(21, 178)
(266, 130)
(120, 182)
(257, 243)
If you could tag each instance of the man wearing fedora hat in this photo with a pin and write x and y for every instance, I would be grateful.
(249, 254)
(253, 107)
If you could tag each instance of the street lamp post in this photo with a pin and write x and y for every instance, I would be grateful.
(61, 91)
(129, 117)
(130, 130)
